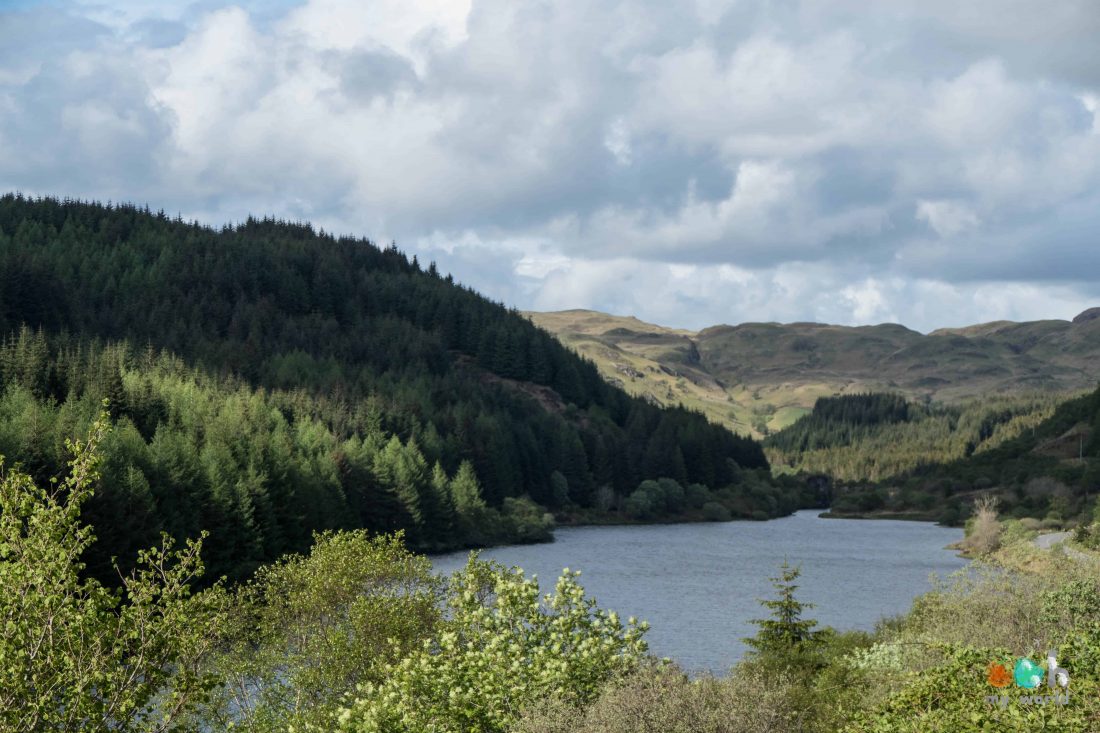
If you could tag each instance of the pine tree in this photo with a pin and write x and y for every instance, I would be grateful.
(786, 635)
(465, 490)
(389, 472)
(442, 521)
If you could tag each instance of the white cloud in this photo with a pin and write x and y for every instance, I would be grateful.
(978, 107)
(1091, 102)
(947, 218)
(617, 141)
(868, 301)
(414, 29)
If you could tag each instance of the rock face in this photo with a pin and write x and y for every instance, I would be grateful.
(1089, 315)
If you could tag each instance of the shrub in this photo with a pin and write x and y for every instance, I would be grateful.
(672, 494)
(715, 512)
(983, 534)
(1014, 531)
(639, 505)
(525, 521)
(952, 696)
(499, 651)
(696, 495)
(75, 655)
(309, 628)
(662, 698)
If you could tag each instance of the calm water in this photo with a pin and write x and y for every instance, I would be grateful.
(698, 584)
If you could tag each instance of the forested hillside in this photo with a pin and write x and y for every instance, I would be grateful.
(273, 378)
(1037, 458)
(876, 436)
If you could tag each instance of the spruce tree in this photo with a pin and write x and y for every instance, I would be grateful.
(786, 636)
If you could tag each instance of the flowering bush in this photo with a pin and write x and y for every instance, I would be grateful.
(500, 650)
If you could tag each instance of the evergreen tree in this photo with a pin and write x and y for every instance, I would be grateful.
(399, 476)
(466, 491)
(442, 521)
(786, 633)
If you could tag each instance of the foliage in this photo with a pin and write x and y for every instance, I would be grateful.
(75, 655)
(876, 437)
(1037, 456)
(841, 421)
(786, 635)
(662, 698)
(954, 695)
(257, 469)
(499, 651)
(983, 531)
(308, 629)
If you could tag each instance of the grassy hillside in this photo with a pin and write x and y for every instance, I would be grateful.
(760, 377)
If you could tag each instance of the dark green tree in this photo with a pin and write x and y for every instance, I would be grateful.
(786, 634)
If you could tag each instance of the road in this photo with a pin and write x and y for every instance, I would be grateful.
(1048, 541)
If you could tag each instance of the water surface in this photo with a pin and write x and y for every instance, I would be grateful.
(698, 584)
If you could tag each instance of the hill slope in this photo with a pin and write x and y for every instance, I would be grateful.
(760, 377)
(1046, 468)
(332, 340)
(872, 437)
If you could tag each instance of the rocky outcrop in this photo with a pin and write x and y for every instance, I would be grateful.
(1089, 315)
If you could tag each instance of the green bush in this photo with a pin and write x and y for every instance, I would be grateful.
(639, 505)
(308, 629)
(672, 494)
(715, 512)
(525, 521)
(953, 694)
(499, 652)
(663, 699)
(75, 655)
(696, 495)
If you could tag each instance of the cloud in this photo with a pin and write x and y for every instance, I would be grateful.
(715, 162)
(947, 218)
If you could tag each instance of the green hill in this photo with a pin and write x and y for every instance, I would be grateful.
(761, 377)
(1041, 461)
(872, 437)
(268, 380)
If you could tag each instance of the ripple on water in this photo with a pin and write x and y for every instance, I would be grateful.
(698, 584)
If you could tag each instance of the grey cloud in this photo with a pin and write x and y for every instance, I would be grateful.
(821, 159)
(80, 123)
(367, 74)
(157, 33)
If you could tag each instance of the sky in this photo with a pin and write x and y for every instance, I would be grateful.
(929, 162)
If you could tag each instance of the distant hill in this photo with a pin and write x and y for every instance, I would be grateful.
(879, 436)
(1042, 463)
(761, 377)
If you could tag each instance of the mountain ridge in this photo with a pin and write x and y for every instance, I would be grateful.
(758, 377)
